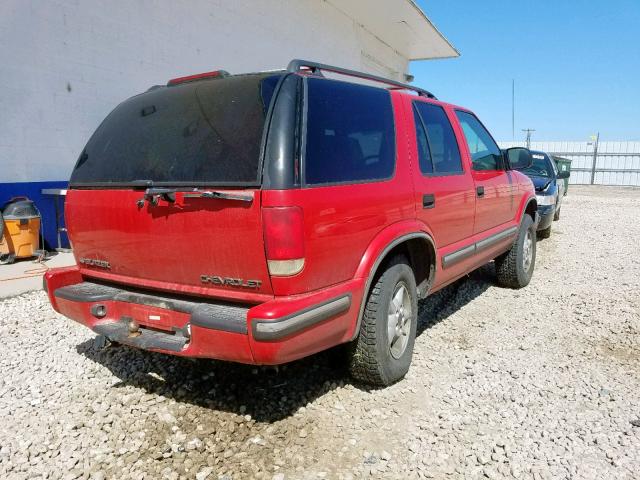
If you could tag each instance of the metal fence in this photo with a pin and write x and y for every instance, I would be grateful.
(595, 163)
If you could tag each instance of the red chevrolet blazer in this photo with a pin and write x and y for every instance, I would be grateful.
(261, 218)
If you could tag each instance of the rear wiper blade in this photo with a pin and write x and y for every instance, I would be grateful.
(241, 197)
(153, 195)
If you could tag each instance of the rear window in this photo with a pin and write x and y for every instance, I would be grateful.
(350, 134)
(207, 132)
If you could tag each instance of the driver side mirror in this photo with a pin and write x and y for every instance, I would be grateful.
(518, 158)
(563, 174)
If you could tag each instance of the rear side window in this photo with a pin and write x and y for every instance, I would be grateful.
(485, 154)
(350, 134)
(442, 143)
(204, 132)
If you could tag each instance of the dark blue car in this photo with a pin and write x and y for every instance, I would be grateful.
(549, 185)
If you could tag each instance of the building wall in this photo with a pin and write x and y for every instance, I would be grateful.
(67, 63)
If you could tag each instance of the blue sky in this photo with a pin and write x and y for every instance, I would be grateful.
(576, 65)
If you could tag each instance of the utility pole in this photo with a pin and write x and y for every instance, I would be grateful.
(528, 131)
(513, 109)
(596, 140)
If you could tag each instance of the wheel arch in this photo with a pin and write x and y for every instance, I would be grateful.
(420, 250)
(530, 208)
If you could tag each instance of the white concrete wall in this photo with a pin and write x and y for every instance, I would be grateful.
(64, 64)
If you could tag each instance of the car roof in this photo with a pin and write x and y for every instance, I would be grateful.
(430, 100)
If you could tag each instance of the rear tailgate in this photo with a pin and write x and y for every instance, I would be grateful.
(205, 246)
(196, 141)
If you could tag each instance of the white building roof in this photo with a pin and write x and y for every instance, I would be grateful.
(401, 24)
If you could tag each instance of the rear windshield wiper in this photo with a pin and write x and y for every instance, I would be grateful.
(241, 197)
(153, 195)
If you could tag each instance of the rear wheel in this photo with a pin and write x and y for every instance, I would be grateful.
(382, 353)
(556, 216)
(515, 267)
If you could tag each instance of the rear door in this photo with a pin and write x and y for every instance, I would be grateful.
(444, 189)
(201, 141)
(494, 186)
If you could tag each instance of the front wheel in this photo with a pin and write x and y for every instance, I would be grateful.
(382, 353)
(515, 267)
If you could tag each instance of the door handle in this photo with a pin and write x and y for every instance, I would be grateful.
(480, 191)
(428, 200)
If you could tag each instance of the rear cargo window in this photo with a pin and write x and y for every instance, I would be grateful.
(350, 133)
(206, 132)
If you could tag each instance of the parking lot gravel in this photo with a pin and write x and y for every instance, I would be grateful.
(541, 383)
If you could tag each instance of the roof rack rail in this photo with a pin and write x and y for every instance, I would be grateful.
(297, 65)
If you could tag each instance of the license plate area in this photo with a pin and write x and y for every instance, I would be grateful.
(158, 318)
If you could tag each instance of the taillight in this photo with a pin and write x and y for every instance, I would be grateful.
(284, 239)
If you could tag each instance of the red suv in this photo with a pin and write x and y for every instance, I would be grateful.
(261, 218)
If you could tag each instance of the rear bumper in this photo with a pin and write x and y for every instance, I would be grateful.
(274, 332)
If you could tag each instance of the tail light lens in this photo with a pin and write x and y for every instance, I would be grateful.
(284, 240)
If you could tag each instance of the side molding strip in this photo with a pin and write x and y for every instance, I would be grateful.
(458, 255)
(272, 330)
(466, 252)
(495, 238)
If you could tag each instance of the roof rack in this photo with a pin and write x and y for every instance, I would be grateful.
(297, 65)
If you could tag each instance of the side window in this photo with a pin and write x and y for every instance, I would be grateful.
(485, 154)
(441, 141)
(424, 155)
(350, 134)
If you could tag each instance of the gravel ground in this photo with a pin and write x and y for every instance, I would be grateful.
(538, 383)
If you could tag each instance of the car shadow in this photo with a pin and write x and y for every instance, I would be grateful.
(442, 304)
(268, 394)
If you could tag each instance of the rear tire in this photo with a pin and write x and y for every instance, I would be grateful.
(515, 267)
(381, 355)
(556, 216)
(546, 233)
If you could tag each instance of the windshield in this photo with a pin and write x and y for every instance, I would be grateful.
(541, 166)
(206, 132)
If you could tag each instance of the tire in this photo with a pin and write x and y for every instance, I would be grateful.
(7, 258)
(556, 216)
(546, 233)
(515, 267)
(374, 359)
